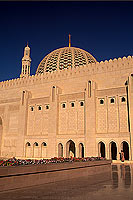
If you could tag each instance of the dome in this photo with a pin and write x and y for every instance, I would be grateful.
(64, 58)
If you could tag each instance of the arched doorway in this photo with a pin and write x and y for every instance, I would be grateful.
(1, 130)
(28, 150)
(113, 151)
(70, 149)
(101, 147)
(60, 150)
(125, 148)
(81, 150)
(44, 150)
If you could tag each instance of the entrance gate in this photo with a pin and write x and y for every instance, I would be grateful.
(70, 149)
(113, 150)
(125, 148)
(101, 147)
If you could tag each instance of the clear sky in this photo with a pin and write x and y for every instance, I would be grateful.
(105, 29)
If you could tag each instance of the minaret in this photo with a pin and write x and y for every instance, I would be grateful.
(69, 40)
(26, 62)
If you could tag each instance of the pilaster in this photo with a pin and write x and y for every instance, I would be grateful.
(53, 122)
(23, 114)
(90, 119)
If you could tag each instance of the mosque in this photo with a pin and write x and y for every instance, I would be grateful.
(72, 106)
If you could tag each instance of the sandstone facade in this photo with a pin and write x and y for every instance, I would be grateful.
(72, 106)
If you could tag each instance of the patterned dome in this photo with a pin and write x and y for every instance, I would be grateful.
(64, 58)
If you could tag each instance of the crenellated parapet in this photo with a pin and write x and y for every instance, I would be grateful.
(89, 69)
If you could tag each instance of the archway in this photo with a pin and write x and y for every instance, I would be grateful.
(44, 150)
(81, 150)
(28, 150)
(101, 147)
(60, 150)
(125, 148)
(70, 149)
(113, 151)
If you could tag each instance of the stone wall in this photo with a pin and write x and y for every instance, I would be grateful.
(112, 117)
(87, 84)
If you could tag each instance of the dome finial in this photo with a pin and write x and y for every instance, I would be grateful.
(27, 43)
(69, 40)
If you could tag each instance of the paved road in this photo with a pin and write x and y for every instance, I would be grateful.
(115, 186)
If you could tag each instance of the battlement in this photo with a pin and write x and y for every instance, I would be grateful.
(90, 69)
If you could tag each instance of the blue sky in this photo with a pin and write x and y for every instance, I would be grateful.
(105, 29)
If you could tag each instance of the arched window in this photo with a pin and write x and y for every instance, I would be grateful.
(112, 100)
(44, 144)
(31, 108)
(39, 107)
(28, 144)
(28, 152)
(63, 105)
(47, 107)
(72, 104)
(101, 101)
(81, 103)
(44, 150)
(123, 99)
(36, 144)
(36, 152)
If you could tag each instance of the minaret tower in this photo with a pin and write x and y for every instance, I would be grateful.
(26, 62)
(69, 40)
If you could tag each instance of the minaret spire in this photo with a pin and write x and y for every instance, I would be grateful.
(26, 62)
(69, 40)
